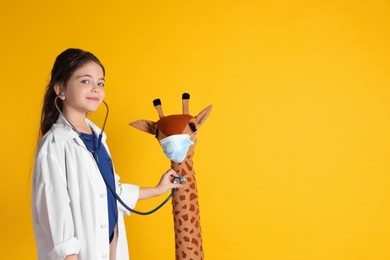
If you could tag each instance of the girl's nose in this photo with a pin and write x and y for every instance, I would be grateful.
(95, 88)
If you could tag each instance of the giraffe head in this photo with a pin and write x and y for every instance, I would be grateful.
(174, 124)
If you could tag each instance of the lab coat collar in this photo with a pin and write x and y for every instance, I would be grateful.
(64, 130)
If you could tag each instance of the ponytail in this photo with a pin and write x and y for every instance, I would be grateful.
(49, 114)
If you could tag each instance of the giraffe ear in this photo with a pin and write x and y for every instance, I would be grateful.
(145, 125)
(203, 115)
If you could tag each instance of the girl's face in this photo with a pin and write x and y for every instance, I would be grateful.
(84, 90)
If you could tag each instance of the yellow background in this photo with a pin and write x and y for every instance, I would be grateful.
(293, 162)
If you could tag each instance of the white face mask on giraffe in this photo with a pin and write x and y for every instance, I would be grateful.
(175, 147)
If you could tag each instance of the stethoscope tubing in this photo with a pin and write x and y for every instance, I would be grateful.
(136, 211)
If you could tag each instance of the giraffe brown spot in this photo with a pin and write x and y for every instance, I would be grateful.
(193, 196)
(192, 208)
(194, 241)
(196, 253)
(183, 172)
(186, 239)
(180, 222)
(188, 166)
(185, 217)
(183, 254)
(185, 229)
(182, 197)
(176, 212)
(184, 207)
(192, 231)
(193, 185)
(189, 179)
(197, 224)
(187, 190)
(192, 220)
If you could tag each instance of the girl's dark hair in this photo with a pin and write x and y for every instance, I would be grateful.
(65, 65)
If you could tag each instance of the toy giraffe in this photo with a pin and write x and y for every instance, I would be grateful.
(188, 237)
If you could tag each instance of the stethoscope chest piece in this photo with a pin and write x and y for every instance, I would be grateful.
(179, 180)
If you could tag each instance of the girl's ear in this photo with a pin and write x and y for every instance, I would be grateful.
(145, 125)
(58, 89)
(203, 115)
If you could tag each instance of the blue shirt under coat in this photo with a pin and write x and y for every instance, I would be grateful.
(104, 163)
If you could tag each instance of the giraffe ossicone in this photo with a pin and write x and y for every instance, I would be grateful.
(186, 214)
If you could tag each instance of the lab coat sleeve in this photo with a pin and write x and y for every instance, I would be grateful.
(128, 193)
(53, 212)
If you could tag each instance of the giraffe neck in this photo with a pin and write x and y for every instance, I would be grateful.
(184, 168)
(188, 237)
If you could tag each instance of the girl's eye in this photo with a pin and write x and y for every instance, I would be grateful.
(101, 84)
(85, 81)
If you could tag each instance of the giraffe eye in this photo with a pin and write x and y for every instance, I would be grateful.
(192, 126)
(156, 134)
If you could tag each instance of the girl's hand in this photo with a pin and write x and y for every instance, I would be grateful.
(163, 186)
(166, 184)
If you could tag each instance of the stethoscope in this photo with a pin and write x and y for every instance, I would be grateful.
(180, 179)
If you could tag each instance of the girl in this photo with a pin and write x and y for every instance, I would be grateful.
(75, 215)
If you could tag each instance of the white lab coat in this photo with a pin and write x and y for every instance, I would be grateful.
(69, 200)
